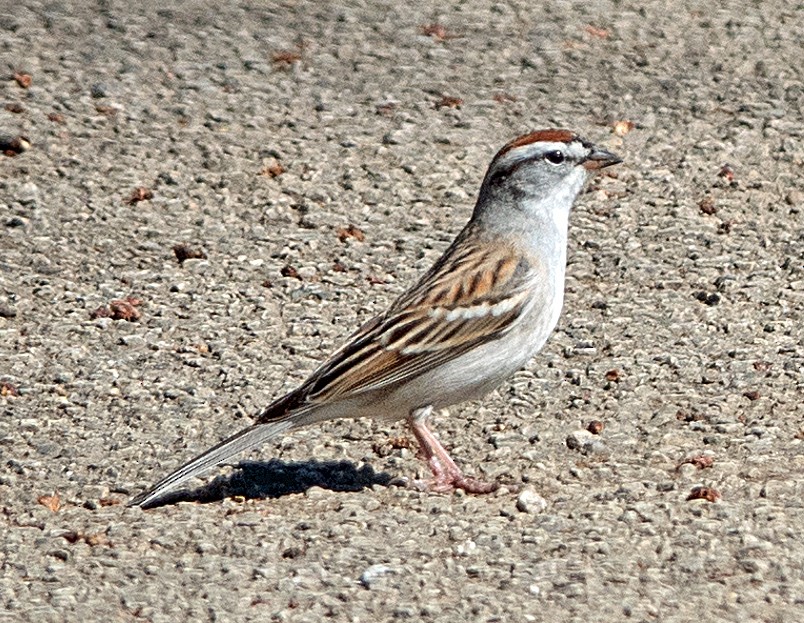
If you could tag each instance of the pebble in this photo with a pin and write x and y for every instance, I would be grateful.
(103, 323)
(95, 492)
(576, 439)
(528, 501)
(29, 424)
(585, 442)
(28, 195)
(135, 341)
(372, 574)
(99, 90)
(307, 272)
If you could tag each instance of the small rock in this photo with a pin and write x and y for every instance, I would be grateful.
(135, 341)
(392, 138)
(585, 442)
(103, 323)
(371, 575)
(7, 312)
(28, 195)
(529, 501)
(307, 272)
(577, 438)
(95, 492)
(29, 424)
(205, 547)
(49, 450)
(99, 90)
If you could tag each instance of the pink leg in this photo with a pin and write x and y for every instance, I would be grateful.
(447, 475)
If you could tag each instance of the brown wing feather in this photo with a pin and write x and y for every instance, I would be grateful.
(472, 295)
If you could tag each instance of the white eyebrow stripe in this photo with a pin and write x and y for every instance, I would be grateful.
(520, 154)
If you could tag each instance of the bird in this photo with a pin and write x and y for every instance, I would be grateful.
(478, 315)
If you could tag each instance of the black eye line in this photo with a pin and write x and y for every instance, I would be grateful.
(500, 174)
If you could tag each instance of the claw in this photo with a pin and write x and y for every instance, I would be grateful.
(447, 475)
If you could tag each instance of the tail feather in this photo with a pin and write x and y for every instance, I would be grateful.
(239, 442)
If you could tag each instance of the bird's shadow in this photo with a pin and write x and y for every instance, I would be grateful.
(275, 479)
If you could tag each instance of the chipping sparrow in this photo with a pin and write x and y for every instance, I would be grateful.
(477, 316)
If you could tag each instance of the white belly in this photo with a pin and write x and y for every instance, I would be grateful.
(475, 373)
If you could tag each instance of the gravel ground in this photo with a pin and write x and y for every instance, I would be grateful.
(318, 158)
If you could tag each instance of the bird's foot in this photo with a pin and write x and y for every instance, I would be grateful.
(448, 478)
(446, 474)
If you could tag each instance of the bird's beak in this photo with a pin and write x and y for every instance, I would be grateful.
(600, 158)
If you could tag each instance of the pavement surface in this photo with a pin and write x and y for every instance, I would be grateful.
(306, 161)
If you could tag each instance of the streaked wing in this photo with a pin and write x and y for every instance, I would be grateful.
(473, 294)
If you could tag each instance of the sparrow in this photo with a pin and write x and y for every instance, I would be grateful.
(477, 316)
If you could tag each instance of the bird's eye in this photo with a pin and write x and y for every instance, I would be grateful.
(555, 157)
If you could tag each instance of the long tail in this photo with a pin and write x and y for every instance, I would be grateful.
(276, 419)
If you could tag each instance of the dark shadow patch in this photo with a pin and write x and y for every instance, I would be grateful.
(274, 479)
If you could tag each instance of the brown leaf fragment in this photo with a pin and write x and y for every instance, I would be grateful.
(595, 427)
(385, 448)
(50, 502)
(285, 58)
(726, 172)
(56, 117)
(109, 111)
(402, 441)
(96, 539)
(119, 309)
(752, 395)
(125, 309)
(24, 80)
(350, 231)
(13, 145)
(438, 32)
(186, 252)
(704, 493)
(623, 127)
(8, 390)
(140, 194)
(707, 206)
(275, 169)
(386, 109)
(290, 271)
(686, 416)
(594, 31)
(701, 461)
(502, 98)
(101, 312)
(375, 280)
(448, 101)
(15, 107)
(613, 375)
